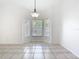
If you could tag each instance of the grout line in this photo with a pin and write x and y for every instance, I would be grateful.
(43, 52)
(52, 52)
(34, 52)
(31, 52)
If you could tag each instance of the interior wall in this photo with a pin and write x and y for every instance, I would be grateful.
(11, 17)
(56, 22)
(14, 16)
(70, 34)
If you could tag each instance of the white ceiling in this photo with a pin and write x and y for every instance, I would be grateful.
(43, 6)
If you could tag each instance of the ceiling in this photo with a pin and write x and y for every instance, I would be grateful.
(46, 7)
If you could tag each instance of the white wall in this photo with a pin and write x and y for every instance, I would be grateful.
(11, 19)
(70, 34)
(13, 23)
(57, 23)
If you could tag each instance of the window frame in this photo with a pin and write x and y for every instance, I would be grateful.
(31, 33)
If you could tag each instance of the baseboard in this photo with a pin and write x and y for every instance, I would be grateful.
(70, 51)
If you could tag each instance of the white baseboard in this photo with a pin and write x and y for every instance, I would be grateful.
(71, 51)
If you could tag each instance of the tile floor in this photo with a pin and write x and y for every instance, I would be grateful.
(34, 51)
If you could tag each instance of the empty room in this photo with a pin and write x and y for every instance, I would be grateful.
(39, 29)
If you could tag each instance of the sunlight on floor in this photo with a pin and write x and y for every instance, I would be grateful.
(35, 51)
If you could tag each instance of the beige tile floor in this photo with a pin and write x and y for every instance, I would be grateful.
(35, 51)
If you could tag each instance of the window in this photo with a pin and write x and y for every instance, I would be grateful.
(37, 27)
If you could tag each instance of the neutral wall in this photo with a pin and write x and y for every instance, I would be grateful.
(70, 34)
(11, 19)
(14, 16)
(56, 23)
